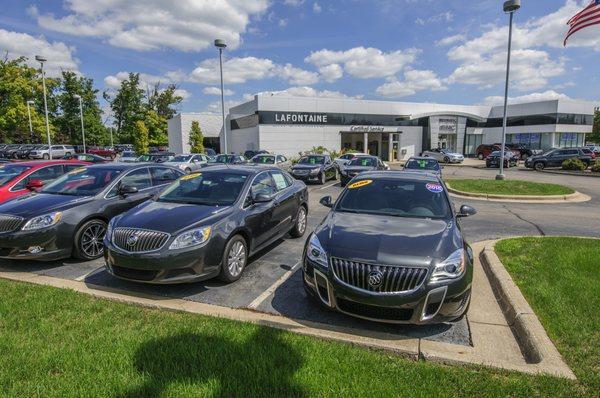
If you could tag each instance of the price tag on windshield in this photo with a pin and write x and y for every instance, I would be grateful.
(359, 184)
(191, 176)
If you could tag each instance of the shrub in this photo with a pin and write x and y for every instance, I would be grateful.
(596, 166)
(573, 164)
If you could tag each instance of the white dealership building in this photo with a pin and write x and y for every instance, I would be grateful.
(397, 130)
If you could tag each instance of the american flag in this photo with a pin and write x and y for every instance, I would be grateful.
(587, 17)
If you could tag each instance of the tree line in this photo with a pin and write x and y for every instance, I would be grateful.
(139, 116)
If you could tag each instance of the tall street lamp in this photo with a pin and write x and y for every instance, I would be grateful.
(41, 60)
(510, 7)
(30, 103)
(220, 44)
(78, 97)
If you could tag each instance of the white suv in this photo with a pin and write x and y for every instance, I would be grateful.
(58, 151)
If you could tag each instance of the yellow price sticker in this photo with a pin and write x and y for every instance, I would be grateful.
(359, 184)
(77, 171)
(191, 176)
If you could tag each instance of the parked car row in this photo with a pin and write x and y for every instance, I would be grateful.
(556, 157)
(30, 151)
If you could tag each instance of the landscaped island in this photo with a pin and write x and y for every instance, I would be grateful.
(508, 187)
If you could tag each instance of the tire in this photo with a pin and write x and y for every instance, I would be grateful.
(67, 153)
(446, 159)
(46, 156)
(89, 238)
(480, 156)
(322, 178)
(299, 227)
(188, 170)
(539, 166)
(236, 248)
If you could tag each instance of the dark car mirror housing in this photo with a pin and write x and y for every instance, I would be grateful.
(34, 184)
(261, 198)
(126, 190)
(466, 211)
(326, 201)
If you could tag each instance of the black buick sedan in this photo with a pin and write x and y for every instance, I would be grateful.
(205, 225)
(360, 164)
(391, 249)
(315, 168)
(69, 216)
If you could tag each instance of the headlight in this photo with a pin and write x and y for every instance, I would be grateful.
(191, 238)
(450, 268)
(315, 251)
(315, 171)
(47, 220)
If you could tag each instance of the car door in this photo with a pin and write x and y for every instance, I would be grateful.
(138, 178)
(57, 151)
(260, 216)
(46, 174)
(556, 158)
(285, 203)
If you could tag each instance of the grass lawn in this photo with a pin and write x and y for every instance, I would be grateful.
(508, 187)
(560, 279)
(59, 343)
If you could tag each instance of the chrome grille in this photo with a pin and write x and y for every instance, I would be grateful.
(9, 223)
(394, 279)
(136, 240)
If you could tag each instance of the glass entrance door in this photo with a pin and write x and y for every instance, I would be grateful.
(447, 141)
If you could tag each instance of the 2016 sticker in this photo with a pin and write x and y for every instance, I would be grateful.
(435, 188)
(359, 184)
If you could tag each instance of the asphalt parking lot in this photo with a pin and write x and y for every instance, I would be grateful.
(272, 281)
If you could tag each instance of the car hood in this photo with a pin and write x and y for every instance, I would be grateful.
(454, 154)
(359, 169)
(35, 204)
(171, 217)
(388, 240)
(175, 164)
(306, 167)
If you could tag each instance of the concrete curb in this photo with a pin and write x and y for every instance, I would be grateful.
(535, 344)
(566, 173)
(575, 197)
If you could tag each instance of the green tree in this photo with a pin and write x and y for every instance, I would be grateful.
(127, 106)
(140, 137)
(595, 136)
(196, 138)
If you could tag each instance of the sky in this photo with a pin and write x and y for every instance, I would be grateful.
(451, 51)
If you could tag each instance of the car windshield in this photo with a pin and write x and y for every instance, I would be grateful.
(10, 171)
(181, 158)
(264, 159)
(363, 162)
(422, 164)
(129, 154)
(495, 153)
(393, 197)
(224, 159)
(207, 188)
(85, 181)
(312, 160)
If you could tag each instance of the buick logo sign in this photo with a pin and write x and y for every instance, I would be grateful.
(132, 239)
(375, 278)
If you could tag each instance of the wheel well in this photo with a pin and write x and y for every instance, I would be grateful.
(89, 218)
(243, 234)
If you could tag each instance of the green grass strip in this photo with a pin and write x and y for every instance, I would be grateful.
(508, 187)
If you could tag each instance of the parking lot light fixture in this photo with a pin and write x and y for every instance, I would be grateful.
(510, 7)
(41, 60)
(220, 44)
(29, 104)
(78, 97)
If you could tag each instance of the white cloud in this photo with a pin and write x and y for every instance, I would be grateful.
(445, 16)
(217, 91)
(331, 73)
(297, 76)
(414, 81)
(317, 8)
(533, 97)
(364, 62)
(60, 56)
(446, 41)
(283, 23)
(143, 25)
(183, 93)
(146, 80)
(294, 3)
(304, 91)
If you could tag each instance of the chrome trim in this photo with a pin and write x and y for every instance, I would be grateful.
(426, 318)
(17, 220)
(328, 302)
(112, 240)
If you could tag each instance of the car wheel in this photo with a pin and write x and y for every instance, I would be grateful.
(539, 166)
(46, 156)
(89, 240)
(524, 156)
(234, 261)
(300, 227)
(67, 153)
(322, 179)
(480, 156)
(446, 159)
(188, 170)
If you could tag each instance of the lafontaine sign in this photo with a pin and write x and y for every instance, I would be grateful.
(300, 118)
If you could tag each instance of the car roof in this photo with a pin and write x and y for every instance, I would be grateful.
(250, 168)
(43, 163)
(126, 166)
(403, 175)
(421, 158)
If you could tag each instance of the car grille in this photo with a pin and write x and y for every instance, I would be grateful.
(374, 311)
(393, 279)
(139, 240)
(301, 172)
(135, 274)
(9, 223)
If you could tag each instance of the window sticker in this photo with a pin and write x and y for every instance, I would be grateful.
(191, 176)
(434, 187)
(359, 184)
(422, 164)
(312, 160)
(77, 171)
(279, 181)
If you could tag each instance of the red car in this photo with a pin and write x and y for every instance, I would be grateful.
(106, 152)
(19, 178)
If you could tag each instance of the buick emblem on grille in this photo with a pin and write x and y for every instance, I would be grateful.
(375, 278)
(132, 239)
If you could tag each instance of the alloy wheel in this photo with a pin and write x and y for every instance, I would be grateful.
(91, 240)
(236, 259)
(301, 220)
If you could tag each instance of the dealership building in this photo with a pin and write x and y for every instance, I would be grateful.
(397, 130)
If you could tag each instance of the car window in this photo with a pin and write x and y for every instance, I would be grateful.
(280, 181)
(363, 161)
(139, 179)
(83, 181)
(289, 178)
(163, 175)
(10, 171)
(71, 167)
(312, 160)
(215, 188)
(281, 159)
(264, 159)
(422, 164)
(263, 184)
(46, 174)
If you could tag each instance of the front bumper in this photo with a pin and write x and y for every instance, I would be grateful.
(430, 303)
(306, 177)
(165, 266)
(16, 245)
(457, 160)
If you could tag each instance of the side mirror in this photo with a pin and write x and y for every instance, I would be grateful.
(34, 184)
(326, 201)
(261, 198)
(126, 190)
(466, 211)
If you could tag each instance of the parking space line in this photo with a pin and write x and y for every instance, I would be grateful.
(327, 186)
(259, 300)
(82, 277)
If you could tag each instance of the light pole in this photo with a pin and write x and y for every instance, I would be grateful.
(78, 97)
(220, 44)
(41, 60)
(30, 125)
(510, 7)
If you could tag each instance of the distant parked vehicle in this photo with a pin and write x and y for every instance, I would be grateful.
(253, 152)
(120, 148)
(346, 158)
(444, 155)
(556, 157)
(128, 157)
(106, 152)
(360, 165)
(423, 165)
(23, 152)
(210, 152)
(58, 151)
(589, 152)
(493, 160)
(484, 150)
(157, 157)
(86, 157)
(10, 150)
(594, 148)
(188, 162)
(523, 150)
(315, 168)
(228, 159)
(276, 160)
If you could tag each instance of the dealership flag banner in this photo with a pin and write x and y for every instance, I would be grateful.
(587, 17)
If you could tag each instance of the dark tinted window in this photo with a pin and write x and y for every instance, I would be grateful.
(45, 174)
(280, 181)
(263, 184)
(82, 181)
(10, 171)
(422, 164)
(395, 198)
(206, 188)
(264, 159)
(139, 179)
(312, 160)
(364, 162)
(163, 175)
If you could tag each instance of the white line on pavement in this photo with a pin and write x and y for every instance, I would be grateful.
(327, 186)
(259, 300)
(82, 277)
